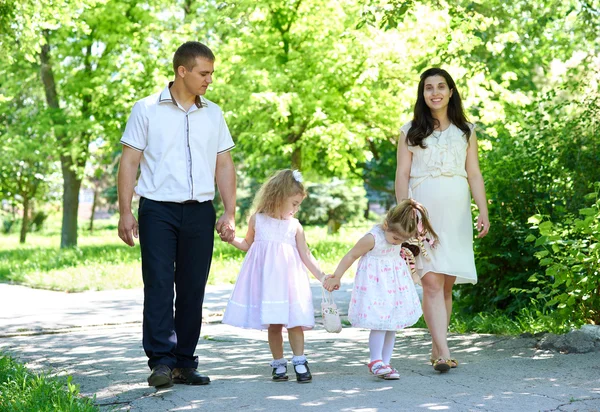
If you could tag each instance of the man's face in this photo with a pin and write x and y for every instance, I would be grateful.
(199, 78)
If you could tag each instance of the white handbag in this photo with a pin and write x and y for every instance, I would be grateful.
(330, 313)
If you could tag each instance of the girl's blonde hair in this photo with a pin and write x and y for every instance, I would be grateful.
(273, 193)
(410, 219)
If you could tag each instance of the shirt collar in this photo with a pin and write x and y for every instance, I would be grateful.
(166, 96)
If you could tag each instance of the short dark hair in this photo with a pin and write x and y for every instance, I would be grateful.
(187, 53)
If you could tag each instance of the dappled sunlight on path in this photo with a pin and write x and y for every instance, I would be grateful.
(96, 338)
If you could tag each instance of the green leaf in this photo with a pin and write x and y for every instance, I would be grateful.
(535, 219)
(530, 238)
(545, 227)
(588, 211)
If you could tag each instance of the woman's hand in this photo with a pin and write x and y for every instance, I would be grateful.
(483, 225)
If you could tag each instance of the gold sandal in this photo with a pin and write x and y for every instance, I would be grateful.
(441, 365)
(453, 362)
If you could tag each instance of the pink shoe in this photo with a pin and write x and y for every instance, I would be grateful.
(393, 375)
(377, 368)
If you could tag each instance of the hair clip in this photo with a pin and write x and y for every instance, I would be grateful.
(297, 176)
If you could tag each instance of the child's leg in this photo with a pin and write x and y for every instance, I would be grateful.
(388, 346)
(376, 342)
(276, 346)
(296, 337)
(276, 341)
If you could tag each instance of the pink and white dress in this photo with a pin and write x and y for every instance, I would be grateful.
(384, 295)
(272, 286)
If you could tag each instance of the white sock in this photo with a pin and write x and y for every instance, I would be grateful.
(388, 346)
(279, 365)
(376, 341)
(298, 362)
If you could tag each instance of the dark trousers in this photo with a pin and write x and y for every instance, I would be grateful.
(177, 241)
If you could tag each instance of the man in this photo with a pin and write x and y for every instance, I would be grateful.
(181, 142)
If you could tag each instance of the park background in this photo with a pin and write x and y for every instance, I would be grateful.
(321, 86)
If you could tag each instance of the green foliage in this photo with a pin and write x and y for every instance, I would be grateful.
(24, 391)
(332, 203)
(570, 253)
(103, 261)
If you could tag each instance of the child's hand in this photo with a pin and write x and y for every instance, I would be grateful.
(331, 283)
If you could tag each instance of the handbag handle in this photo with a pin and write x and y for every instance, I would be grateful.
(327, 298)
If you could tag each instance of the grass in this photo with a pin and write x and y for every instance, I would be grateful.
(22, 390)
(103, 262)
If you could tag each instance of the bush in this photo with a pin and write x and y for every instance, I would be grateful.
(332, 204)
(570, 252)
(21, 390)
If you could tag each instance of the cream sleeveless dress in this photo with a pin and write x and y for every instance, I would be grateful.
(438, 180)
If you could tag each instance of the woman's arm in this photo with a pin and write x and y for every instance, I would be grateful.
(245, 243)
(403, 165)
(307, 258)
(366, 243)
(477, 185)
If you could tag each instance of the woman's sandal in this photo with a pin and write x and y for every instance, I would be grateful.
(442, 365)
(453, 362)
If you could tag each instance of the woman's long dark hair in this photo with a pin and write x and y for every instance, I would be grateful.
(423, 123)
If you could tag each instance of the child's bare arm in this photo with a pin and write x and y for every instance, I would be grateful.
(245, 243)
(366, 243)
(307, 258)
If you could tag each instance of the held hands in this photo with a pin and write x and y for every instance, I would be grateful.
(331, 283)
(226, 228)
(483, 225)
(128, 228)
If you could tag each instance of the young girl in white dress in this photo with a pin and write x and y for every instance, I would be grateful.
(384, 298)
(272, 290)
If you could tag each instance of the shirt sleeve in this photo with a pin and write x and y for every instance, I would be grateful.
(136, 130)
(406, 128)
(225, 140)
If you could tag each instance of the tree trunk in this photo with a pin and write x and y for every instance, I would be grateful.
(71, 186)
(71, 182)
(25, 220)
(94, 203)
(297, 158)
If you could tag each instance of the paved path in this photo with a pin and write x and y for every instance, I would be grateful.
(96, 338)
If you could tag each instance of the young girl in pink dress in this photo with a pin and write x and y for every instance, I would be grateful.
(272, 290)
(384, 298)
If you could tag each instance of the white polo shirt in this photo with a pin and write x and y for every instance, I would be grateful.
(179, 148)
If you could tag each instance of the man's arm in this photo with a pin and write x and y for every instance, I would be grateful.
(128, 167)
(226, 182)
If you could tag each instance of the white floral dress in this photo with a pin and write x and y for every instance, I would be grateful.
(384, 295)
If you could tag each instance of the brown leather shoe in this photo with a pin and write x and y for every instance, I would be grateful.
(189, 376)
(160, 377)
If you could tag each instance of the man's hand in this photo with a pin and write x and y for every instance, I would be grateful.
(226, 228)
(128, 228)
